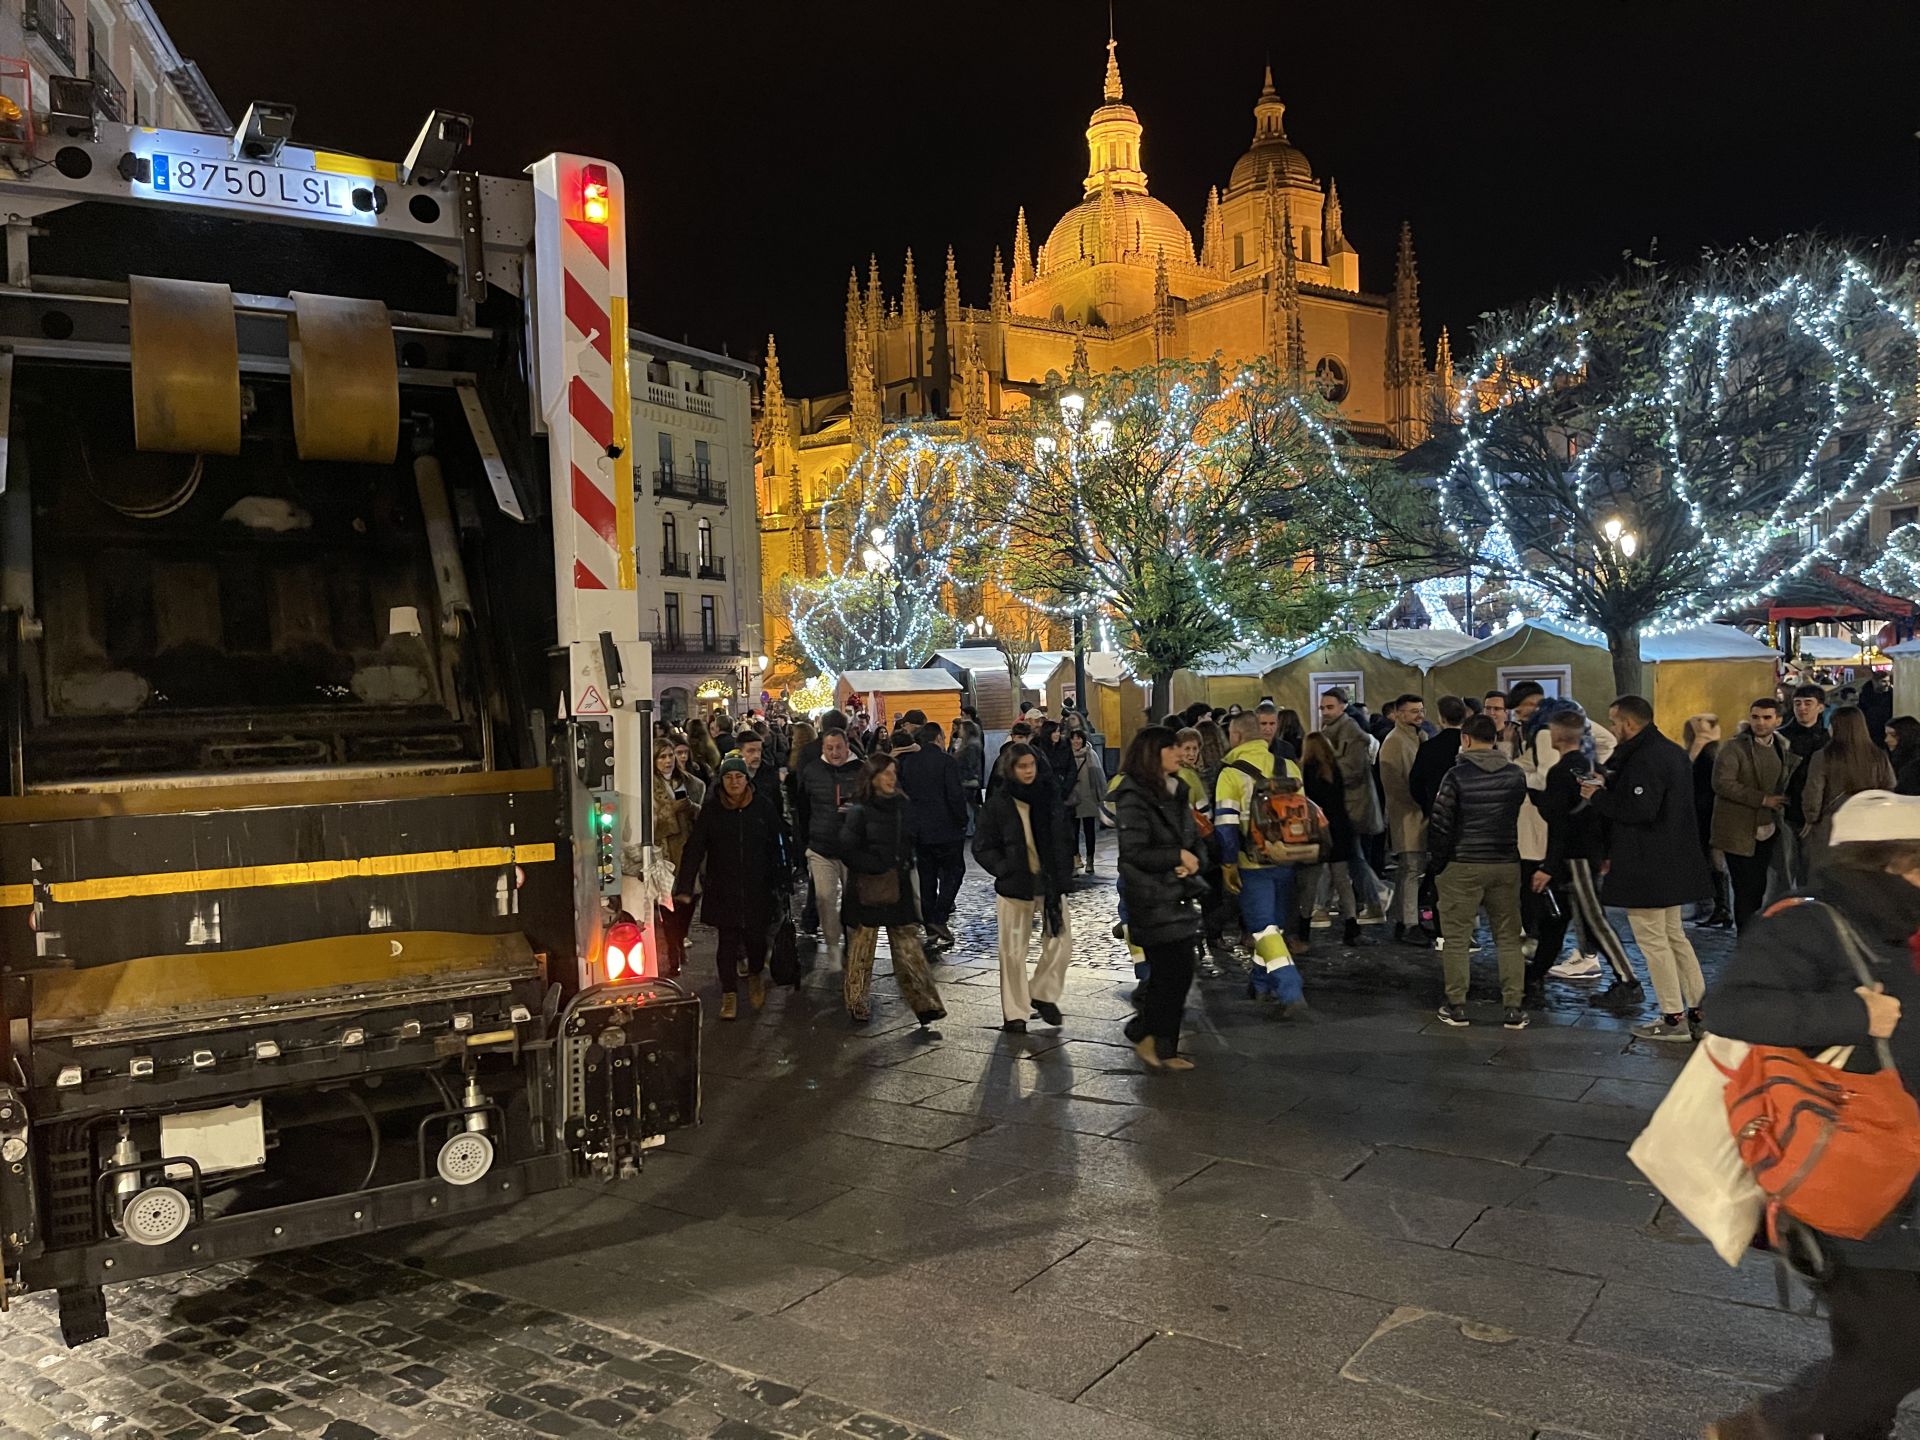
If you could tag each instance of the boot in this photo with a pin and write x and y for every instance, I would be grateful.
(1352, 934)
(1722, 917)
(1302, 941)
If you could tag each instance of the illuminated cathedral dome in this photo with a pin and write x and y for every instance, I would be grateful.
(1116, 194)
(1145, 226)
(1270, 149)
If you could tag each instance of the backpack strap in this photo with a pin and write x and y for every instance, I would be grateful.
(1851, 946)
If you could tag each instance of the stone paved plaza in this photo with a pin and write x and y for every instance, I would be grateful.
(1367, 1226)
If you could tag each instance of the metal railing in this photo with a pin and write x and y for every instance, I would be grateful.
(675, 650)
(713, 568)
(54, 24)
(699, 487)
(673, 564)
(109, 95)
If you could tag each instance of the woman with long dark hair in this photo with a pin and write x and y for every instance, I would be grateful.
(1848, 764)
(876, 842)
(1325, 788)
(1025, 843)
(1160, 876)
(734, 851)
(1903, 749)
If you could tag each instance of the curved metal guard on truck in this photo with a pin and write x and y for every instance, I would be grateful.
(326, 740)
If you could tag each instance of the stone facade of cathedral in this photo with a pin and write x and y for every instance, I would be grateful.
(1117, 282)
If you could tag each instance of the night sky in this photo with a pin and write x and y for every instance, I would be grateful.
(768, 146)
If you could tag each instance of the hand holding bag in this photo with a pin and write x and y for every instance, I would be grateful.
(1837, 1151)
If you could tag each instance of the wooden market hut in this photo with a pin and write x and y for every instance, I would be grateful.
(1374, 667)
(1906, 677)
(1717, 668)
(886, 694)
(985, 679)
(1222, 682)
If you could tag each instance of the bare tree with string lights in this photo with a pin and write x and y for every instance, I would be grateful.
(1186, 510)
(1667, 448)
(904, 539)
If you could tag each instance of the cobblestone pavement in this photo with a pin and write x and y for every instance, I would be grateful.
(1369, 1225)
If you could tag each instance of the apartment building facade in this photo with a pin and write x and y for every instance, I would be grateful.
(139, 75)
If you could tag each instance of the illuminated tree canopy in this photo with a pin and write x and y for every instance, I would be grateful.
(1665, 449)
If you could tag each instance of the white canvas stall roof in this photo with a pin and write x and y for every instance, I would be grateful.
(1706, 642)
(975, 657)
(1041, 665)
(1827, 647)
(866, 682)
(1422, 649)
(1696, 642)
(1905, 647)
(1252, 666)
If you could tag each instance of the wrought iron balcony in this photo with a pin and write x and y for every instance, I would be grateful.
(676, 650)
(109, 95)
(713, 568)
(53, 23)
(699, 487)
(673, 564)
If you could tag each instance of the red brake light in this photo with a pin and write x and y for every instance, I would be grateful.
(624, 952)
(596, 196)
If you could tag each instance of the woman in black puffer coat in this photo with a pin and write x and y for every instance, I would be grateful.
(1160, 876)
(1792, 984)
(876, 842)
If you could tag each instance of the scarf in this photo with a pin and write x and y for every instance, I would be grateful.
(1043, 813)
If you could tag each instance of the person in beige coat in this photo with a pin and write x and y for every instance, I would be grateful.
(1406, 821)
(1751, 773)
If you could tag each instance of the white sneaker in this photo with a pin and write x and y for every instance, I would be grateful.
(1579, 967)
(1321, 920)
(1373, 915)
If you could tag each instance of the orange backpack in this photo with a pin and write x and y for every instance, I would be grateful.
(1836, 1151)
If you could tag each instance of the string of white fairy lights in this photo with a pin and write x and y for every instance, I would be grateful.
(1866, 394)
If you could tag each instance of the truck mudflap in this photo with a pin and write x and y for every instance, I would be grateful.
(629, 1071)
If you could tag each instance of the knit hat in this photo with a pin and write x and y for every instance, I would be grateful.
(1877, 815)
(733, 764)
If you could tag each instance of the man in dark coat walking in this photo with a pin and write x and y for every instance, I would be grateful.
(930, 779)
(1655, 864)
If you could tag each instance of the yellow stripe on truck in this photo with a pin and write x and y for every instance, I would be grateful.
(335, 163)
(254, 877)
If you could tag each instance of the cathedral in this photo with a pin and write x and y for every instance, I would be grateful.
(1118, 282)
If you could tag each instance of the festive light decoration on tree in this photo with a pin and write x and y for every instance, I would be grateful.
(900, 534)
(1671, 448)
(1187, 510)
(1897, 570)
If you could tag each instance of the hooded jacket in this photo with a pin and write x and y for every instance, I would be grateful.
(1791, 984)
(1476, 814)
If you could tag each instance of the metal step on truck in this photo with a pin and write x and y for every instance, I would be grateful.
(324, 900)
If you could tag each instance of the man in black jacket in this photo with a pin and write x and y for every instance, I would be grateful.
(930, 779)
(826, 790)
(1576, 843)
(1655, 864)
(1473, 838)
(1438, 753)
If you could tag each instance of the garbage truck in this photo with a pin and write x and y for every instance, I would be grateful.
(324, 844)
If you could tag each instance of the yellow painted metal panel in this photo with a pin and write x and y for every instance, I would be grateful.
(186, 366)
(305, 872)
(346, 379)
(336, 163)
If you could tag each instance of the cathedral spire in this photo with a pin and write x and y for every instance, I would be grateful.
(1290, 344)
(1443, 372)
(999, 302)
(866, 394)
(1163, 332)
(973, 395)
(910, 293)
(1335, 240)
(876, 310)
(1270, 241)
(953, 293)
(1406, 356)
(1213, 235)
(1115, 92)
(1022, 252)
(853, 305)
(776, 427)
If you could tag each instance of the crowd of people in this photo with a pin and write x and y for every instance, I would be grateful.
(1514, 811)
(1800, 829)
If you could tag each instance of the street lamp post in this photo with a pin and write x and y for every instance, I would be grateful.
(1099, 434)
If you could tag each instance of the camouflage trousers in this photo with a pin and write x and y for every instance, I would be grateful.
(909, 969)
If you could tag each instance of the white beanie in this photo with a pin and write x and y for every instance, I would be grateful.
(1877, 815)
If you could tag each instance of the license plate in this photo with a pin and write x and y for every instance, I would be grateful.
(236, 182)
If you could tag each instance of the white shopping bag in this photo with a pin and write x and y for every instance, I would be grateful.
(1687, 1151)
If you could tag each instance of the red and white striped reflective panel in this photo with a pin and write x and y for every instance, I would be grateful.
(599, 440)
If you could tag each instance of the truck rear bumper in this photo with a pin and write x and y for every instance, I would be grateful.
(291, 1227)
